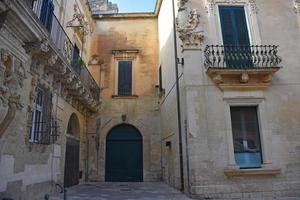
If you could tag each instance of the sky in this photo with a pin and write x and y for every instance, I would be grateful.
(126, 6)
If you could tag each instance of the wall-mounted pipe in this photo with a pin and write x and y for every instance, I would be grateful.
(178, 100)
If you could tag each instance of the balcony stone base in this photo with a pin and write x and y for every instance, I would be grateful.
(242, 79)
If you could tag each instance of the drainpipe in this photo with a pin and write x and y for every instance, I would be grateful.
(178, 100)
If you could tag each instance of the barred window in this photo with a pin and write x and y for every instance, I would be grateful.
(41, 117)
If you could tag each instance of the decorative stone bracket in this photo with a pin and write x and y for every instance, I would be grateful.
(49, 63)
(191, 37)
(242, 79)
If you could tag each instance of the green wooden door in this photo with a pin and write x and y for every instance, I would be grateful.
(71, 176)
(124, 155)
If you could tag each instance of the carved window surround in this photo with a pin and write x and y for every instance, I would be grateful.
(124, 55)
(248, 98)
(251, 10)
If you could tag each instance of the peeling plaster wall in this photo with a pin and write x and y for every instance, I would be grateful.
(141, 111)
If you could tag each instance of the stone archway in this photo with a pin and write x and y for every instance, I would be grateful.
(124, 154)
(71, 174)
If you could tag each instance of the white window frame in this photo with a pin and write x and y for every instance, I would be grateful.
(215, 23)
(254, 98)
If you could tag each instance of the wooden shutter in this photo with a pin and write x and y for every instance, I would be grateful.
(47, 112)
(47, 13)
(235, 36)
(234, 25)
(125, 78)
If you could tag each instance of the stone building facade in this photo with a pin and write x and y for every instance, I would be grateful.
(200, 94)
(46, 96)
(127, 38)
(218, 145)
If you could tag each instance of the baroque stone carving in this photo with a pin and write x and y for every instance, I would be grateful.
(181, 4)
(78, 21)
(42, 46)
(297, 6)
(12, 74)
(188, 33)
(210, 4)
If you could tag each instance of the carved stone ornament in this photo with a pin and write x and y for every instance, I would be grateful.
(211, 4)
(297, 6)
(95, 60)
(37, 47)
(182, 4)
(12, 75)
(191, 37)
(78, 21)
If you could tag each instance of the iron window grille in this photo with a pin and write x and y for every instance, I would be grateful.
(45, 128)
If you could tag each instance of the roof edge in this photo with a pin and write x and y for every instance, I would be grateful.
(132, 15)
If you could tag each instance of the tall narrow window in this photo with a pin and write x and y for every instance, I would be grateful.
(246, 137)
(125, 78)
(46, 14)
(41, 118)
(235, 36)
(160, 79)
(76, 64)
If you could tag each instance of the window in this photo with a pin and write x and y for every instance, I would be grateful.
(246, 137)
(41, 118)
(160, 79)
(76, 61)
(125, 78)
(44, 10)
(235, 36)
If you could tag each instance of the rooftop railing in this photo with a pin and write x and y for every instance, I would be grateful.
(241, 56)
(64, 45)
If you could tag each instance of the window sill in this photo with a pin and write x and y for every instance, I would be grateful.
(125, 97)
(251, 172)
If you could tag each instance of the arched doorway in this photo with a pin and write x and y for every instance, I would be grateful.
(124, 155)
(71, 175)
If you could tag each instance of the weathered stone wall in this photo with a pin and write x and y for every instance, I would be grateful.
(28, 170)
(141, 109)
(168, 98)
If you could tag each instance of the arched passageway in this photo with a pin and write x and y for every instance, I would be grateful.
(124, 155)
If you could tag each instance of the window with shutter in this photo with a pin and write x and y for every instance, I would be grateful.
(235, 36)
(125, 78)
(46, 13)
(41, 118)
(246, 137)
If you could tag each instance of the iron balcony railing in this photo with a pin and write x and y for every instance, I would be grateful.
(241, 56)
(64, 45)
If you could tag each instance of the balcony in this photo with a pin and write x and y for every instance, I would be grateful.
(77, 84)
(241, 67)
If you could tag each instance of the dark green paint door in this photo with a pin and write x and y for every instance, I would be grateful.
(71, 176)
(124, 155)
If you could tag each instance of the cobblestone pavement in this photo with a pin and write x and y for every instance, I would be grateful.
(131, 191)
(122, 191)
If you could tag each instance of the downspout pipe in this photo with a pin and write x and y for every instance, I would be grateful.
(178, 100)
